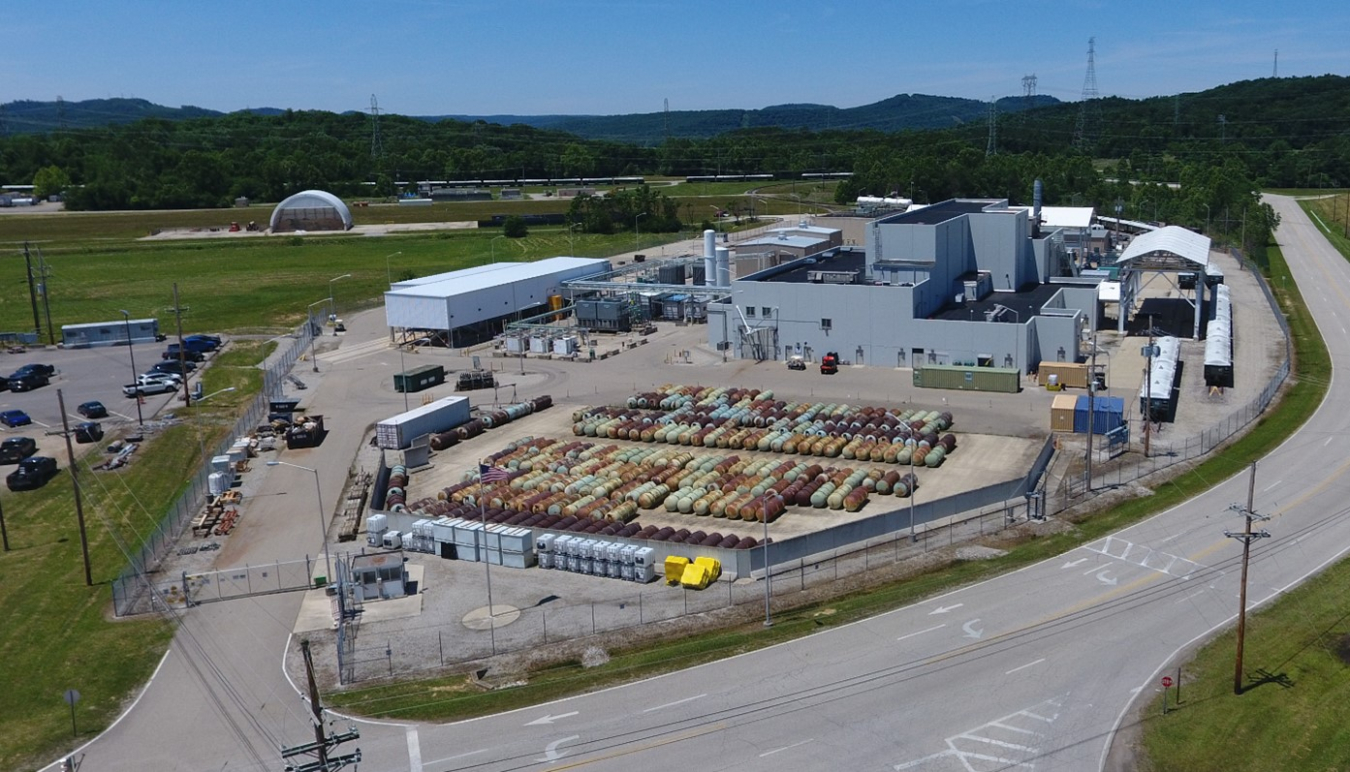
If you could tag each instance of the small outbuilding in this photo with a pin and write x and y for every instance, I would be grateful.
(311, 210)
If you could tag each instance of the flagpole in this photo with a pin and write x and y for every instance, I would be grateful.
(487, 564)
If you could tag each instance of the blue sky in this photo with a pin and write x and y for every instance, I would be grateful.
(432, 57)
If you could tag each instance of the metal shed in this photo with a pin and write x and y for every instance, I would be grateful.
(113, 333)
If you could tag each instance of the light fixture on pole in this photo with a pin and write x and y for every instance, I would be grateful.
(214, 393)
(332, 306)
(388, 273)
(126, 320)
(323, 524)
(492, 245)
(313, 333)
(637, 232)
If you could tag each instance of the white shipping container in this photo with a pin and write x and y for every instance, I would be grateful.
(398, 432)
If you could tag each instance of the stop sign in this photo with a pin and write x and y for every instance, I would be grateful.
(1166, 681)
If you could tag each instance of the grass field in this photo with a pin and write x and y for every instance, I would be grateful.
(55, 632)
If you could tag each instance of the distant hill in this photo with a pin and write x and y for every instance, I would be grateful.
(898, 113)
(32, 117)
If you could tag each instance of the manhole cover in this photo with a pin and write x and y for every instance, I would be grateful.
(500, 616)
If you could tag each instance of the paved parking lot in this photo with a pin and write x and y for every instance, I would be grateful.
(81, 375)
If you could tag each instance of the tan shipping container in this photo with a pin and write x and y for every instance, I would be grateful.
(1071, 375)
(1061, 413)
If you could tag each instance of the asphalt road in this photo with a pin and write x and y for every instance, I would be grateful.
(1037, 669)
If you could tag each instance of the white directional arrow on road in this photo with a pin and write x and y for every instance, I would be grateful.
(550, 719)
(1073, 563)
(551, 752)
(971, 632)
(1100, 573)
(945, 609)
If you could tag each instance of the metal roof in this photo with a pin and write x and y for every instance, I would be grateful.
(1066, 216)
(463, 272)
(800, 242)
(469, 280)
(1172, 239)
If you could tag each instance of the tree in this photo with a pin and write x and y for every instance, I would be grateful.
(514, 227)
(50, 181)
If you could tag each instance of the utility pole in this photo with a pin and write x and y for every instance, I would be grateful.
(1246, 537)
(43, 275)
(32, 289)
(182, 351)
(1092, 394)
(1148, 388)
(75, 481)
(324, 762)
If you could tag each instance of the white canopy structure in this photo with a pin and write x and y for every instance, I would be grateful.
(1171, 249)
(311, 210)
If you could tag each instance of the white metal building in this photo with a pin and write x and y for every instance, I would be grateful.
(473, 304)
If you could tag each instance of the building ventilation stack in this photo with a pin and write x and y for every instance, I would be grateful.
(710, 258)
(1037, 198)
(723, 267)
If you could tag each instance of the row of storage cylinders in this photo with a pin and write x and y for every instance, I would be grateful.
(490, 420)
(1219, 331)
(1162, 376)
(596, 557)
(574, 479)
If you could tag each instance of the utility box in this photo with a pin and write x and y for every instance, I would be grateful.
(1109, 415)
(1072, 375)
(1005, 380)
(398, 432)
(1062, 413)
(419, 378)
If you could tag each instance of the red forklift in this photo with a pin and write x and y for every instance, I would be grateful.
(829, 364)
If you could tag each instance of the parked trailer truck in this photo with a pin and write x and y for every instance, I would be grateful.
(398, 432)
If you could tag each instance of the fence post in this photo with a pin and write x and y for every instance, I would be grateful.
(440, 644)
(544, 616)
(592, 619)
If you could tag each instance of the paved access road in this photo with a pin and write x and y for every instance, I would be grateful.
(1033, 670)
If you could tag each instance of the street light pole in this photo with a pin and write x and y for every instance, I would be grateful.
(637, 232)
(309, 317)
(332, 306)
(388, 273)
(323, 523)
(126, 321)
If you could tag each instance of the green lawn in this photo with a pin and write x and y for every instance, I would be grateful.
(55, 632)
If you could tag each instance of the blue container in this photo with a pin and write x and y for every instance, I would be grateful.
(1110, 414)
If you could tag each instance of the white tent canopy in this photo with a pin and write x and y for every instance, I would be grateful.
(1171, 240)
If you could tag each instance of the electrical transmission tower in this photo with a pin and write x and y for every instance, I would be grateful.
(60, 113)
(1089, 111)
(1276, 72)
(992, 147)
(376, 144)
(1028, 91)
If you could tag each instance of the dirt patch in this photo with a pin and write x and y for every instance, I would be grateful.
(1343, 648)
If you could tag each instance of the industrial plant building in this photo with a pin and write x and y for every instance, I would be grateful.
(474, 304)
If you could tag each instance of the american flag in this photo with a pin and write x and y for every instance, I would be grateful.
(492, 474)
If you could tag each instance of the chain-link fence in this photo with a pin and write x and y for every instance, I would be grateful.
(393, 648)
(130, 589)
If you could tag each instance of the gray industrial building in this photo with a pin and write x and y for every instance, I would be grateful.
(961, 282)
(474, 304)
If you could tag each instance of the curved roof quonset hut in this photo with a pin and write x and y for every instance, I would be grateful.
(311, 210)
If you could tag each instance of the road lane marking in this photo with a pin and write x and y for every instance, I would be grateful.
(551, 752)
(676, 702)
(921, 632)
(414, 751)
(1024, 667)
(1328, 442)
(455, 757)
(971, 632)
(786, 748)
(1277, 482)
(945, 609)
(548, 719)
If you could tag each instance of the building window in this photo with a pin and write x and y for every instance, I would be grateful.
(826, 324)
(766, 312)
(750, 312)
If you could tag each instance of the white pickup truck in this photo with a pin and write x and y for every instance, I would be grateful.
(146, 386)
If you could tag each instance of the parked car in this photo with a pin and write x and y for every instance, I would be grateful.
(155, 375)
(189, 352)
(796, 363)
(88, 431)
(202, 343)
(15, 449)
(34, 367)
(27, 381)
(13, 418)
(174, 366)
(33, 472)
(92, 409)
(144, 387)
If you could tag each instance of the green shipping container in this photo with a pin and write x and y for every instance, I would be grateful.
(1005, 380)
(419, 378)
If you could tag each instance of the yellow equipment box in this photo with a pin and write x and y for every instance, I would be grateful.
(675, 566)
(695, 577)
(712, 565)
